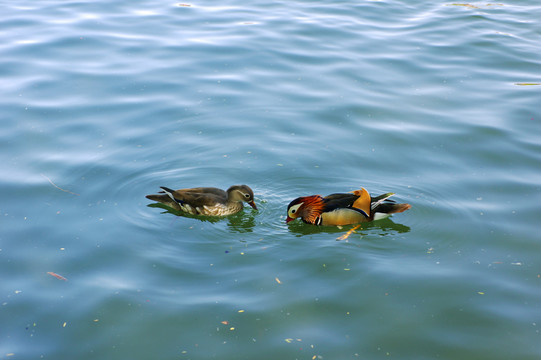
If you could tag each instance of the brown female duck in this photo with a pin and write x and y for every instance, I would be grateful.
(207, 201)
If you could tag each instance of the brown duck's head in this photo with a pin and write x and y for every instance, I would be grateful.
(241, 193)
(307, 208)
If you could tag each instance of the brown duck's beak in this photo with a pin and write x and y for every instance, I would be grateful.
(252, 204)
(289, 219)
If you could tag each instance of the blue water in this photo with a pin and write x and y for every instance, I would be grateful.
(103, 102)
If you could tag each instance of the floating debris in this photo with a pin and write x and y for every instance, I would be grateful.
(290, 340)
(58, 187)
(470, 6)
(466, 5)
(59, 277)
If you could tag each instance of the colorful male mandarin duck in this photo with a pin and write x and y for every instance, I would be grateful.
(207, 201)
(343, 209)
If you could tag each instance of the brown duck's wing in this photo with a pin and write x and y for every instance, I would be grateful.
(197, 197)
(205, 190)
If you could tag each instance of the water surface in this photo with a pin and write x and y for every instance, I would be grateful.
(103, 103)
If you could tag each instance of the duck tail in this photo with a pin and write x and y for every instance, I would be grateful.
(155, 197)
(378, 200)
(391, 208)
(169, 193)
(398, 208)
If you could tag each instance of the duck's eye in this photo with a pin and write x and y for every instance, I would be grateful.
(292, 210)
(247, 196)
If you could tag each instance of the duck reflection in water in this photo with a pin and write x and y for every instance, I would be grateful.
(240, 222)
(382, 227)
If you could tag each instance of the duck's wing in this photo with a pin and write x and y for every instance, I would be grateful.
(349, 201)
(197, 197)
(363, 201)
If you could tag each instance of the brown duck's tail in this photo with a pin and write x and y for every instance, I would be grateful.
(158, 198)
(164, 199)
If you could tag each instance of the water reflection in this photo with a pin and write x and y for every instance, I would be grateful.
(242, 222)
(383, 227)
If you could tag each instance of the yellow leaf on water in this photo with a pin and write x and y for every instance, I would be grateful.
(527, 84)
(466, 5)
(277, 280)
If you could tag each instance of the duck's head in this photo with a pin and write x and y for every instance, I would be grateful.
(242, 193)
(306, 208)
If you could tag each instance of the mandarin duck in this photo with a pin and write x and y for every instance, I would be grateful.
(207, 201)
(343, 209)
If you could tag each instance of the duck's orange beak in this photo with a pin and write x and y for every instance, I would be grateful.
(252, 204)
(289, 219)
